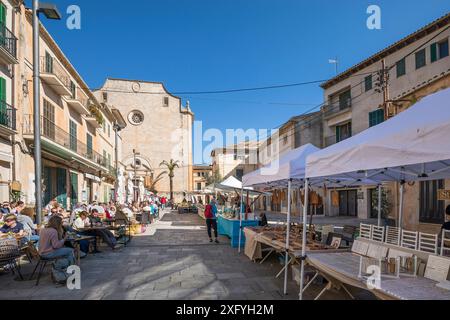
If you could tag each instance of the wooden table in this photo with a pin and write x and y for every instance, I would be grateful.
(343, 268)
(279, 245)
(76, 245)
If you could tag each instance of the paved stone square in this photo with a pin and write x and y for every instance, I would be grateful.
(172, 260)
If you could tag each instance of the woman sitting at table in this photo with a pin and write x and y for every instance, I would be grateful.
(52, 239)
(82, 221)
(12, 226)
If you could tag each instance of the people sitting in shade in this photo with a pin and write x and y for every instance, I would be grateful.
(26, 218)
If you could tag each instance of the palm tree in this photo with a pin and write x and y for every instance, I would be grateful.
(171, 166)
(154, 181)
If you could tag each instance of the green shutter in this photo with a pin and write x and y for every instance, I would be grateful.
(338, 133)
(74, 189)
(2, 24)
(2, 14)
(434, 56)
(376, 117)
(61, 189)
(73, 135)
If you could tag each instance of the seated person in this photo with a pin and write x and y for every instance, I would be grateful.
(262, 220)
(52, 239)
(95, 218)
(105, 234)
(5, 208)
(26, 217)
(11, 225)
(82, 221)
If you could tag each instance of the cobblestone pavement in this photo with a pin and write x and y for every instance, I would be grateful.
(172, 260)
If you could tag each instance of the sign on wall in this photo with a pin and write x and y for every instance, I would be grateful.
(444, 195)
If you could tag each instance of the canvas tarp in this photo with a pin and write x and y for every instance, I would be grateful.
(413, 145)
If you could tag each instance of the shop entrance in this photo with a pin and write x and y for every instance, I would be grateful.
(348, 203)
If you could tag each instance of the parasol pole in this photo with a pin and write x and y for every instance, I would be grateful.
(240, 217)
(288, 227)
(305, 214)
(379, 204)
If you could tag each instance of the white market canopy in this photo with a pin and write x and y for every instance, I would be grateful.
(289, 166)
(232, 182)
(414, 145)
(230, 185)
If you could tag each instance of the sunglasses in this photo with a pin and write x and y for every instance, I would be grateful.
(10, 220)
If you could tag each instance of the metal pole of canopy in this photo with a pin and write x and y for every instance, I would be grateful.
(379, 204)
(240, 217)
(305, 214)
(288, 229)
(400, 210)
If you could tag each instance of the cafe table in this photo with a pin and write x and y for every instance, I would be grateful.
(76, 245)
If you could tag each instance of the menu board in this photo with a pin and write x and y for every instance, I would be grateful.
(437, 268)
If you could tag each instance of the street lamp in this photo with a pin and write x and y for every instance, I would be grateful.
(51, 12)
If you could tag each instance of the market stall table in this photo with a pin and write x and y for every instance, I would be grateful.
(343, 269)
(231, 227)
(276, 240)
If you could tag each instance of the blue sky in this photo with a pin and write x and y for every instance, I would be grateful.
(203, 45)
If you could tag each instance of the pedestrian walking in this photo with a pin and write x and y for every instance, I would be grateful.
(211, 221)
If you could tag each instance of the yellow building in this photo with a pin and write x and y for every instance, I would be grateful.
(73, 158)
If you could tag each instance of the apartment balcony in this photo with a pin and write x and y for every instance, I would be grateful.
(60, 143)
(78, 101)
(8, 46)
(92, 120)
(7, 119)
(54, 75)
(335, 109)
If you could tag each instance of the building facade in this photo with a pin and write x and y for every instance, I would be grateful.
(200, 180)
(235, 160)
(159, 129)
(72, 164)
(417, 65)
(9, 186)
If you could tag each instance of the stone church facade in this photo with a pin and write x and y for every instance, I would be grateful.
(159, 129)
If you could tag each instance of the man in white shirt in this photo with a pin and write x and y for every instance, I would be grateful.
(82, 221)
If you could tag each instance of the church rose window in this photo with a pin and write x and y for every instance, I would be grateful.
(136, 117)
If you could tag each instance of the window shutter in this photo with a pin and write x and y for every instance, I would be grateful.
(434, 52)
(2, 15)
(338, 133)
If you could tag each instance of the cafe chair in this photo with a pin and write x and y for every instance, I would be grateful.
(9, 256)
(41, 263)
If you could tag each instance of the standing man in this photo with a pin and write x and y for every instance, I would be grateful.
(211, 220)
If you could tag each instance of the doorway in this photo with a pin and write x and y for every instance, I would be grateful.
(348, 203)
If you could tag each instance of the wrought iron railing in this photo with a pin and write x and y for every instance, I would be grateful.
(51, 65)
(7, 116)
(8, 40)
(56, 134)
(336, 107)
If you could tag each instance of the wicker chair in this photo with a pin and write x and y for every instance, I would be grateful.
(10, 255)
